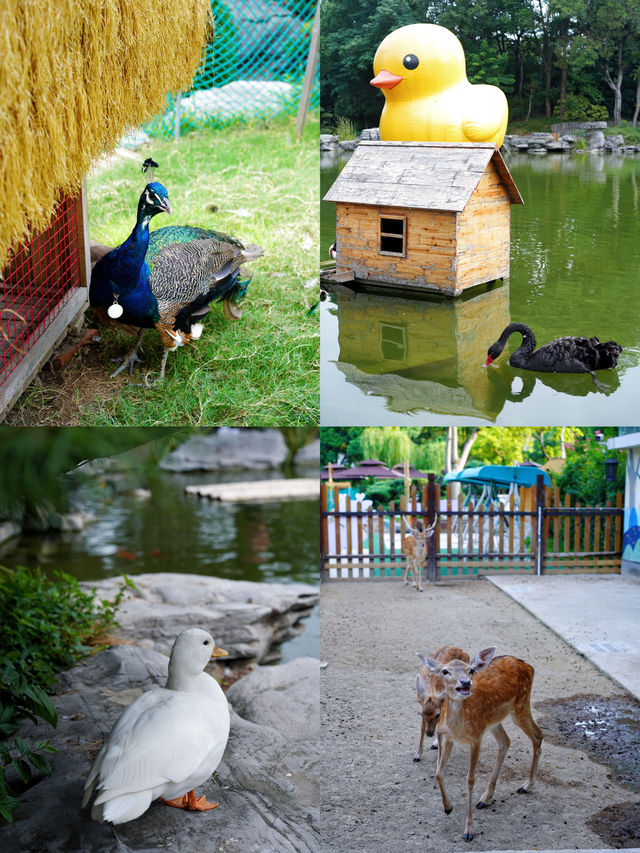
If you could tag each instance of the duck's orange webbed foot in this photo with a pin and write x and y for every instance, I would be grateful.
(190, 802)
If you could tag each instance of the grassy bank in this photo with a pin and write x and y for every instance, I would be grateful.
(260, 185)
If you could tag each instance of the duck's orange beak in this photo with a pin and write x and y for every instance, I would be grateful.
(218, 652)
(386, 80)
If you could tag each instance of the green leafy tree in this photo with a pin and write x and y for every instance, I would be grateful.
(340, 443)
(611, 31)
(391, 445)
(35, 460)
(583, 475)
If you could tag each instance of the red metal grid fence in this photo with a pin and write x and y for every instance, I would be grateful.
(37, 283)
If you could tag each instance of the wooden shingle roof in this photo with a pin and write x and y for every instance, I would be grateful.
(426, 175)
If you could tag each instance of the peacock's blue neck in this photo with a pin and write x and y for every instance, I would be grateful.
(131, 254)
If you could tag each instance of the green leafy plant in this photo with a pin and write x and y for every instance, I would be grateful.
(48, 624)
(579, 108)
(381, 492)
(345, 129)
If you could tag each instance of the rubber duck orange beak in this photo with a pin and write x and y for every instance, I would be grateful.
(386, 80)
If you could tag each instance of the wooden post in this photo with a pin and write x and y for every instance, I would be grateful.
(177, 117)
(336, 521)
(432, 565)
(324, 534)
(540, 543)
(309, 74)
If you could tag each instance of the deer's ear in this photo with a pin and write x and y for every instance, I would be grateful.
(433, 665)
(421, 687)
(483, 659)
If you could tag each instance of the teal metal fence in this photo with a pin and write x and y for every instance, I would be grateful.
(255, 69)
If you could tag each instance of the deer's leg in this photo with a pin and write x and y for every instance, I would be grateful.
(445, 745)
(474, 752)
(405, 571)
(503, 745)
(419, 577)
(522, 717)
(423, 728)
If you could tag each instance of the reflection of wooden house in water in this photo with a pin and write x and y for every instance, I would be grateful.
(434, 216)
(421, 353)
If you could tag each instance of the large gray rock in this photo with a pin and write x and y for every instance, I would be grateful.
(541, 138)
(247, 619)
(309, 454)
(613, 142)
(520, 143)
(266, 785)
(228, 448)
(558, 145)
(594, 133)
(328, 142)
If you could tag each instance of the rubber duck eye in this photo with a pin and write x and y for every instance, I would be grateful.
(411, 61)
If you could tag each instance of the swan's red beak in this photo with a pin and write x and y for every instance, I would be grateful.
(488, 361)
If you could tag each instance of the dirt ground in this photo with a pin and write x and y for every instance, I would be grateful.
(59, 397)
(375, 798)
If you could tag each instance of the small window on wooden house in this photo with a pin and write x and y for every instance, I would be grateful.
(393, 235)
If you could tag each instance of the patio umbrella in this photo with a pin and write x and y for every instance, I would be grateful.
(370, 468)
(504, 475)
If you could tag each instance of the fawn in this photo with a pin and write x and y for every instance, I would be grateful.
(415, 548)
(431, 692)
(479, 695)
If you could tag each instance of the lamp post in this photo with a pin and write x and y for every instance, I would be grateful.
(611, 470)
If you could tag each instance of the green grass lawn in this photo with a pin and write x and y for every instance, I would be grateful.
(262, 186)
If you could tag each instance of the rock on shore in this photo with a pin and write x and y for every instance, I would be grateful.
(267, 784)
(237, 449)
(247, 619)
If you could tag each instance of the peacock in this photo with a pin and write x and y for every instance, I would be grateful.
(167, 278)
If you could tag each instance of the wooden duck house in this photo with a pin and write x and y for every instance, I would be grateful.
(429, 216)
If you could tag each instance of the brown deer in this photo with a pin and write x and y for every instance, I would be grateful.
(479, 695)
(431, 692)
(415, 548)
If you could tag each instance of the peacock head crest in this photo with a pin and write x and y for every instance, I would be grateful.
(154, 199)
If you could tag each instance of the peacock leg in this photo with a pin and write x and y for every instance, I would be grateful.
(130, 359)
(163, 364)
(232, 310)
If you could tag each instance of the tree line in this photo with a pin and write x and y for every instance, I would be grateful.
(445, 449)
(575, 60)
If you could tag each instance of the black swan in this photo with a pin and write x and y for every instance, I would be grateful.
(563, 355)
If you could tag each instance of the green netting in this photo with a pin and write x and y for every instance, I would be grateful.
(254, 70)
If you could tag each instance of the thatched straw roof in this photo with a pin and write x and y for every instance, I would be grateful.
(74, 75)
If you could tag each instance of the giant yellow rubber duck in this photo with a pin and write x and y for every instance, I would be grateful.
(422, 73)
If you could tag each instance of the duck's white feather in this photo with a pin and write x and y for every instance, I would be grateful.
(164, 745)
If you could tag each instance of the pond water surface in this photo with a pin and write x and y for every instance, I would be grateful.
(575, 270)
(168, 531)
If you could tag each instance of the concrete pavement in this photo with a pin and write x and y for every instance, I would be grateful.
(598, 615)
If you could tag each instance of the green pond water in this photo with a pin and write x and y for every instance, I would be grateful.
(575, 270)
(171, 532)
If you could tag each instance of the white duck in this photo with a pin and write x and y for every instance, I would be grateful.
(167, 742)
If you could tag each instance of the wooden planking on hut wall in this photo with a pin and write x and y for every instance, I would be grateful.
(430, 246)
(484, 232)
